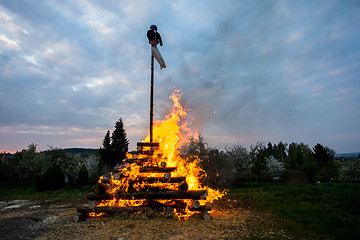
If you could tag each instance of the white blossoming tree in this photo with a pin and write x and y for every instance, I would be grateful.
(275, 168)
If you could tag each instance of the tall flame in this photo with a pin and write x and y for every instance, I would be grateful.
(171, 134)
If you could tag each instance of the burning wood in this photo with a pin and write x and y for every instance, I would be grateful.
(156, 176)
(193, 194)
(133, 209)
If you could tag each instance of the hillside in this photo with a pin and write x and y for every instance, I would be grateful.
(80, 150)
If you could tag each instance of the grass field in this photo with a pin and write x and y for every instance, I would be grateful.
(321, 211)
(330, 210)
(56, 195)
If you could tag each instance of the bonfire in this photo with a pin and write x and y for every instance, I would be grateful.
(156, 176)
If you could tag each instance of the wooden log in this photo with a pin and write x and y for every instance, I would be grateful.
(196, 203)
(183, 186)
(112, 209)
(117, 176)
(92, 204)
(129, 161)
(79, 216)
(157, 169)
(106, 209)
(201, 208)
(163, 164)
(205, 215)
(165, 179)
(118, 170)
(160, 179)
(148, 144)
(139, 148)
(193, 194)
(100, 188)
(167, 176)
(148, 152)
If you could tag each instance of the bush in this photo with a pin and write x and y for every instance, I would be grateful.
(53, 179)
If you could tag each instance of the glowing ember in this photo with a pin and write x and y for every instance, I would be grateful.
(93, 214)
(140, 176)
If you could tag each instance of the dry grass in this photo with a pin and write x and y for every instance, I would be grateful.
(230, 220)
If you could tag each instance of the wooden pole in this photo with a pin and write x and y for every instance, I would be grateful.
(152, 98)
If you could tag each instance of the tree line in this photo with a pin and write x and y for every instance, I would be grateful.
(48, 170)
(233, 165)
(55, 168)
(290, 163)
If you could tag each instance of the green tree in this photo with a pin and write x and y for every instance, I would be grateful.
(301, 165)
(258, 155)
(119, 143)
(328, 167)
(280, 151)
(68, 164)
(238, 159)
(322, 154)
(216, 168)
(28, 165)
(106, 154)
(114, 148)
(195, 147)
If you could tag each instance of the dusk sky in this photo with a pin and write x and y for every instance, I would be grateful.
(249, 70)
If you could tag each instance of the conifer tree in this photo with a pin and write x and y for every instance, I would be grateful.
(119, 142)
(106, 154)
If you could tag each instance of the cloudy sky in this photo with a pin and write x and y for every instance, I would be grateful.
(249, 70)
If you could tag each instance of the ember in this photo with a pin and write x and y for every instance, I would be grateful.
(155, 176)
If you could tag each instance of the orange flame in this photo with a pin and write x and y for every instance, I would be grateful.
(171, 134)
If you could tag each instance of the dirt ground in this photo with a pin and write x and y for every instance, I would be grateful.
(29, 219)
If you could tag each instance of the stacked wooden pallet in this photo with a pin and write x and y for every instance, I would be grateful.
(148, 192)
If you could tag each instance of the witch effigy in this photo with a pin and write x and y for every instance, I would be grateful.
(155, 39)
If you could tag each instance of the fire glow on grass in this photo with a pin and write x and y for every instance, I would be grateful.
(171, 134)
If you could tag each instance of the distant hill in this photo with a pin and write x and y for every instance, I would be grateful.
(347, 155)
(80, 150)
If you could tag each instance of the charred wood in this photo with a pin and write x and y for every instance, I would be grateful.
(112, 209)
(183, 186)
(117, 176)
(92, 204)
(167, 176)
(147, 144)
(196, 203)
(157, 169)
(107, 209)
(193, 194)
(205, 216)
(100, 188)
(79, 216)
(161, 179)
(148, 152)
(201, 208)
